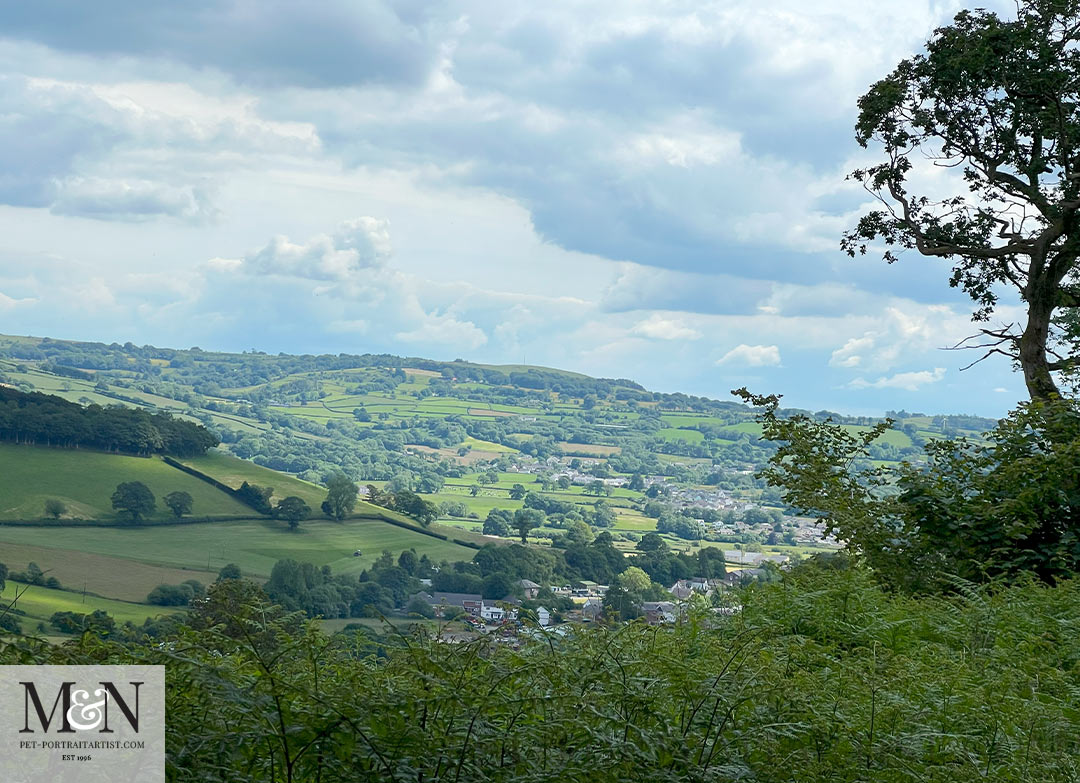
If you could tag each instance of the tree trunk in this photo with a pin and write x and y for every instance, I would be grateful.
(1033, 361)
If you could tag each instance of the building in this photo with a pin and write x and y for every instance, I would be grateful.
(681, 592)
(659, 612)
(471, 603)
(592, 609)
(543, 617)
(685, 588)
(741, 576)
(529, 588)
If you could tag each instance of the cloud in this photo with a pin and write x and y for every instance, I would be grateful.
(752, 356)
(10, 303)
(908, 381)
(133, 201)
(638, 287)
(657, 327)
(44, 131)
(672, 136)
(276, 43)
(358, 245)
(342, 283)
(903, 332)
(126, 152)
(445, 329)
(850, 354)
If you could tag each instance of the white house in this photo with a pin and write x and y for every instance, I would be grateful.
(492, 614)
(543, 616)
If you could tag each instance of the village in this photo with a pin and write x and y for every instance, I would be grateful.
(468, 617)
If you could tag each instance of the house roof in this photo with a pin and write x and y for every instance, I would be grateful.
(527, 583)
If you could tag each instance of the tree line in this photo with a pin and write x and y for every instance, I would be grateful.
(45, 419)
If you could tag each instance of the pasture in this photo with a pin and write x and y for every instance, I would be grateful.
(255, 545)
(111, 575)
(232, 472)
(85, 481)
(39, 604)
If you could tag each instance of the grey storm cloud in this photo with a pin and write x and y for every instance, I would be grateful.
(43, 133)
(687, 136)
(269, 43)
(569, 111)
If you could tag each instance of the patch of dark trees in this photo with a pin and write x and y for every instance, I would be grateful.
(44, 419)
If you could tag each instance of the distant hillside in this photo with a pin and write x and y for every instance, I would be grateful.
(420, 422)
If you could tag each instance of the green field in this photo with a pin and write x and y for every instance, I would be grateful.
(39, 604)
(126, 563)
(255, 545)
(233, 472)
(85, 481)
(486, 445)
(690, 436)
(103, 574)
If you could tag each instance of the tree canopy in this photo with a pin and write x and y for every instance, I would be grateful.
(134, 498)
(179, 503)
(293, 510)
(52, 421)
(996, 101)
(341, 495)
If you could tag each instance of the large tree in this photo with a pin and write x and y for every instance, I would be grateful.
(179, 503)
(526, 519)
(134, 498)
(293, 510)
(981, 141)
(341, 495)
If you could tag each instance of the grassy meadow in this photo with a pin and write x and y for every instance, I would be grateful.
(255, 545)
(39, 603)
(85, 481)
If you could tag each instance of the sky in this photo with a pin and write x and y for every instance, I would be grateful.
(647, 190)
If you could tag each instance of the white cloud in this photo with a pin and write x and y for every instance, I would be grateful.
(132, 200)
(356, 246)
(904, 331)
(908, 381)
(850, 354)
(445, 329)
(752, 356)
(9, 303)
(684, 142)
(657, 327)
(94, 294)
